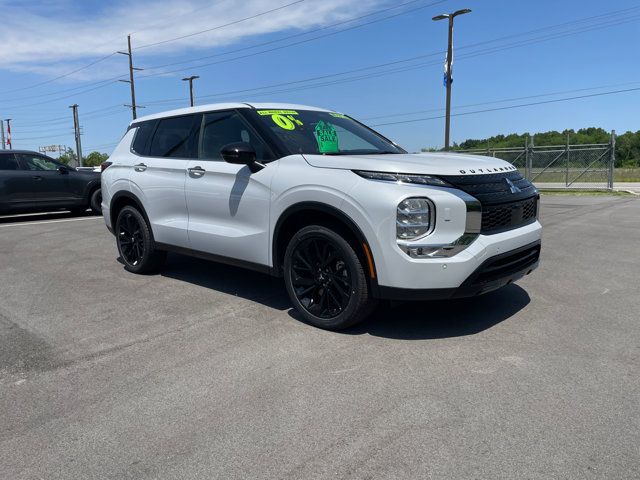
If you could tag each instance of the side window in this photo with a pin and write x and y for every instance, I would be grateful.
(8, 162)
(143, 134)
(37, 162)
(176, 137)
(222, 128)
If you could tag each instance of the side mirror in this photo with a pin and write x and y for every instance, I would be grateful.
(239, 153)
(63, 170)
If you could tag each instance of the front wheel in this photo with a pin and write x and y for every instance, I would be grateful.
(325, 279)
(135, 242)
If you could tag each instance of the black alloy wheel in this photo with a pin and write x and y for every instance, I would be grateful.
(130, 241)
(320, 277)
(325, 279)
(135, 242)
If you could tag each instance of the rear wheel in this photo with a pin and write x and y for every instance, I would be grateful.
(325, 279)
(95, 201)
(135, 242)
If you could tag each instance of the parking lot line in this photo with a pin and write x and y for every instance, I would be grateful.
(20, 224)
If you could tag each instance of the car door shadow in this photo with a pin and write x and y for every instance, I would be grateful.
(405, 321)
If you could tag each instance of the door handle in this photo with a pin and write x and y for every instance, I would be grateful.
(196, 172)
(140, 167)
(37, 177)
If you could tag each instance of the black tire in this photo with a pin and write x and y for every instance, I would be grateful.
(325, 279)
(135, 242)
(95, 201)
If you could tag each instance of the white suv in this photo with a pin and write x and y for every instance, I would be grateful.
(344, 214)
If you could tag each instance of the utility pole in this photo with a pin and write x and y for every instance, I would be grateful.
(76, 128)
(131, 81)
(2, 134)
(190, 80)
(448, 80)
(8, 120)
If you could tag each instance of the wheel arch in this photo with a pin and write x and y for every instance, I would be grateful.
(122, 199)
(302, 214)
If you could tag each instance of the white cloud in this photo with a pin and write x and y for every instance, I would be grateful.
(54, 37)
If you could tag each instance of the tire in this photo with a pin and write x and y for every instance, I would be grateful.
(135, 242)
(325, 279)
(95, 201)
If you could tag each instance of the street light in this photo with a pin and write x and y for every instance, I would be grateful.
(450, 16)
(190, 80)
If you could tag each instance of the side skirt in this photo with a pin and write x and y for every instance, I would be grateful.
(217, 258)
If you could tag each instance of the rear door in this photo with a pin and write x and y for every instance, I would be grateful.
(158, 176)
(10, 181)
(228, 204)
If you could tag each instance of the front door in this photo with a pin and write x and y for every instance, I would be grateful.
(228, 204)
(46, 184)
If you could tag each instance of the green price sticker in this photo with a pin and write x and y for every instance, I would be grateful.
(327, 137)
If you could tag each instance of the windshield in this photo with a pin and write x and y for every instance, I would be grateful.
(324, 133)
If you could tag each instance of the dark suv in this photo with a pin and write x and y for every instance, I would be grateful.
(32, 182)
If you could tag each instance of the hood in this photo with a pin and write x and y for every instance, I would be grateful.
(440, 163)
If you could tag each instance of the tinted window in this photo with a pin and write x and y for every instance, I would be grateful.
(144, 131)
(176, 137)
(222, 128)
(8, 162)
(37, 162)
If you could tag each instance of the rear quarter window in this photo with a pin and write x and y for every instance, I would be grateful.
(142, 136)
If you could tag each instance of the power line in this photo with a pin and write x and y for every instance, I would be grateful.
(552, 27)
(219, 26)
(504, 100)
(377, 74)
(64, 75)
(308, 32)
(613, 92)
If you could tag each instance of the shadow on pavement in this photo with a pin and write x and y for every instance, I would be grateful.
(444, 319)
(408, 321)
(258, 287)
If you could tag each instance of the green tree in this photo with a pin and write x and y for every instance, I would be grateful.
(94, 159)
(68, 157)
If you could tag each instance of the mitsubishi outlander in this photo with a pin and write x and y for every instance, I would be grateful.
(344, 215)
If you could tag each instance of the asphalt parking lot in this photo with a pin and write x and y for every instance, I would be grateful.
(203, 372)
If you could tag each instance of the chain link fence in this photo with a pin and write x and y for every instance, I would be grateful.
(560, 166)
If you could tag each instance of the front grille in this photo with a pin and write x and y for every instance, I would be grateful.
(502, 209)
(509, 215)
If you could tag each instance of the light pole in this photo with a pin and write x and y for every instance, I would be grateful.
(448, 80)
(190, 80)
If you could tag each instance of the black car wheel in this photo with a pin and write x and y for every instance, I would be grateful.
(325, 279)
(95, 201)
(135, 242)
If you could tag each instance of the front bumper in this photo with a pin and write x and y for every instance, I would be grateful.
(493, 273)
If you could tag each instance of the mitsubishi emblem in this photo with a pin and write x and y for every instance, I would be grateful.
(511, 186)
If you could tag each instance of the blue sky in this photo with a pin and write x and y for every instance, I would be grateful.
(45, 40)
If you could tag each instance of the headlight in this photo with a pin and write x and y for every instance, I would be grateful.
(413, 218)
(403, 178)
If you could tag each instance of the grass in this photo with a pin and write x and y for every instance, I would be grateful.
(626, 175)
